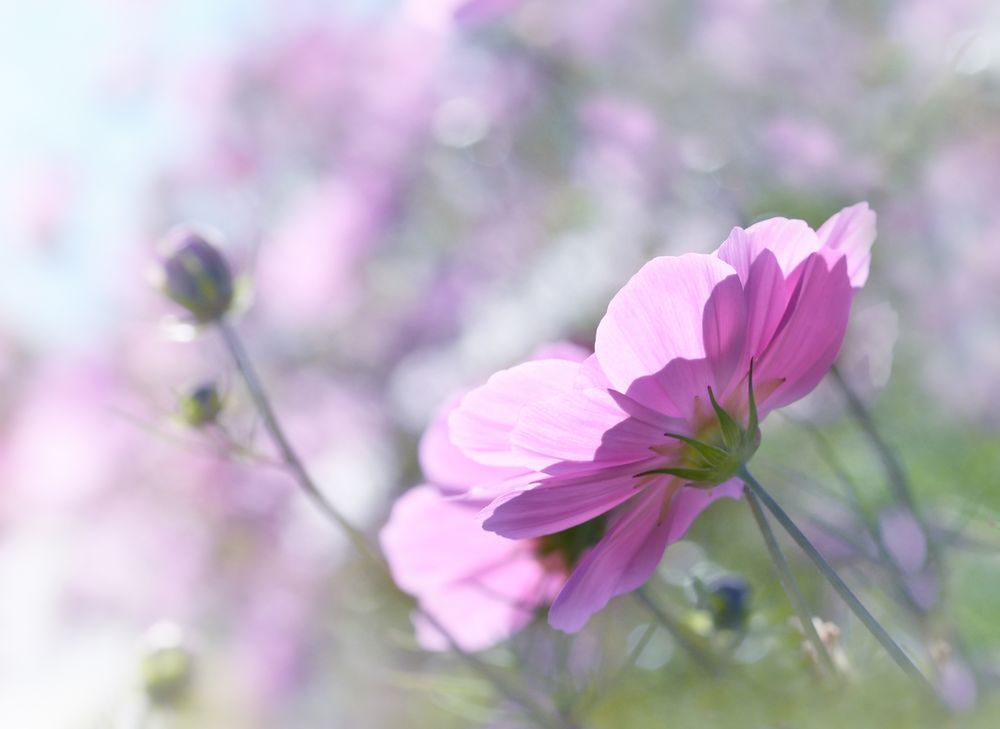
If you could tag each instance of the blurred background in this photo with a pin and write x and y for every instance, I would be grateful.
(416, 193)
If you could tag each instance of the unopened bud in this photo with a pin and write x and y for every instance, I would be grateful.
(197, 276)
(728, 601)
(201, 406)
(167, 666)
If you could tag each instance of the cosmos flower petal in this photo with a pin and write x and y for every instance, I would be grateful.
(445, 466)
(419, 540)
(790, 242)
(630, 551)
(487, 608)
(559, 503)
(584, 426)
(481, 586)
(482, 423)
(851, 232)
(688, 307)
(810, 335)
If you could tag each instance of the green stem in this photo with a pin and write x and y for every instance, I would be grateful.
(789, 582)
(869, 523)
(899, 482)
(291, 458)
(897, 476)
(873, 625)
(679, 633)
(263, 405)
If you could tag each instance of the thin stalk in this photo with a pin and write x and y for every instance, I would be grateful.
(869, 621)
(679, 633)
(829, 456)
(630, 661)
(897, 476)
(357, 538)
(263, 405)
(899, 482)
(790, 584)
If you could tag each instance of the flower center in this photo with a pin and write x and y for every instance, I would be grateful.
(716, 451)
(570, 544)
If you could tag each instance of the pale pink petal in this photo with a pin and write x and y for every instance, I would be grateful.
(445, 466)
(689, 307)
(482, 423)
(584, 426)
(591, 375)
(768, 292)
(630, 551)
(559, 502)
(809, 336)
(486, 609)
(479, 586)
(562, 350)
(430, 540)
(852, 233)
(789, 241)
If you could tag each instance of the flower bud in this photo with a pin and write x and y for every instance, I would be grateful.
(197, 276)
(201, 406)
(167, 666)
(728, 601)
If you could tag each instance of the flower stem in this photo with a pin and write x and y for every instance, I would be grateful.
(789, 582)
(899, 482)
(357, 538)
(873, 625)
(679, 633)
(263, 405)
(897, 475)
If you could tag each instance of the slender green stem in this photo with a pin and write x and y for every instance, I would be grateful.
(679, 633)
(897, 476)
(899, 482)
(869, 523)
(357, 538)
(263, 405)
(873, 625)
(789, 582)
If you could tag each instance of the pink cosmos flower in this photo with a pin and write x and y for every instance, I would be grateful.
(618, 444)
(479, 586)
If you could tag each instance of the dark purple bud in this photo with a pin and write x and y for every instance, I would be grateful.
(728, 600)
(201, 405)
(197, 276)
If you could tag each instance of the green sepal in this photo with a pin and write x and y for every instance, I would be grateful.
(731, 431)
(710, 453)
(697, 475)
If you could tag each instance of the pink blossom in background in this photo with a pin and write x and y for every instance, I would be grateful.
(308, 268)
(63, 438)
(777, 294)
(475, 12)
(621, 147)
(479, 586)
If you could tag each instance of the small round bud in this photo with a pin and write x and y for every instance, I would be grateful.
(197, 276)
(201, 406)
(728, 601)
(167, 666)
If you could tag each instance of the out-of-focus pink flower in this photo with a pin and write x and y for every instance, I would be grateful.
(474, 12)
(479, 586)
(777, 294)
(956, 684)
(308, 267)
(63, 441)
